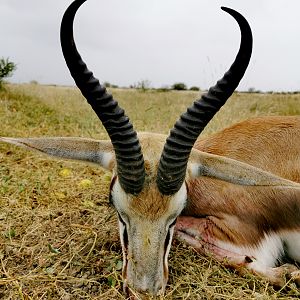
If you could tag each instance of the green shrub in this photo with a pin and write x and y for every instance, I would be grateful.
(194, 88)
(6, 69)
(179, 86)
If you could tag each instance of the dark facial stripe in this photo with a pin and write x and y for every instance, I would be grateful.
(167, 239)
(110, 189)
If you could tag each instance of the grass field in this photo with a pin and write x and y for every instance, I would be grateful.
(58, 234)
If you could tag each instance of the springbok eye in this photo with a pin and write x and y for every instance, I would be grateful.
(121, 220)
(173, 223)
(124, 235)
(111, 202)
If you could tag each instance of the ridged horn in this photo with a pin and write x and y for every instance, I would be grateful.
(130, 161)
(178, 146)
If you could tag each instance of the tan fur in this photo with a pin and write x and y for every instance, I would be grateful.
(269, 143)
(152, 145)
(242, 213)
(150, 204)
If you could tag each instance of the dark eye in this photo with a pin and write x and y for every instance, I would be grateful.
(167, 241)
(121, 220)
(110, 199)
(173, 223)
(110, 189)
(125, 235)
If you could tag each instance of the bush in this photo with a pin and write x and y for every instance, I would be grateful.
(194, 88)
(253, 90)
(179, 86)
(106, 84)
(6, 69)
(164, 88)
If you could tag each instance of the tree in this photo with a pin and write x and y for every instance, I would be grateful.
(106, 84)
(144, 85)
(194, 88)
(179, 86)
(6, 69)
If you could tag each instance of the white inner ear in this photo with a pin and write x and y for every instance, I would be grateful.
(107, 158)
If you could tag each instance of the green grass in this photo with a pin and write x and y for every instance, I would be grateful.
(59, 237)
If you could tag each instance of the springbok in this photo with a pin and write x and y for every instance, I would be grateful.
(235, 194)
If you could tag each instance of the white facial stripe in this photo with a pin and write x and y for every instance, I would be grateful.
(121, 200)
(124, 248)
(121, 231)
(171, 232)
(178, 201)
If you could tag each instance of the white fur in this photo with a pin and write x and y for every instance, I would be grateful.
(178, 201)
(107, 158)
(265, 255)
(292, 243)
(168, 247)
(122, 200)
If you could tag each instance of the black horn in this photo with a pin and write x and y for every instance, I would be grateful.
(130, 161)
(178, 146)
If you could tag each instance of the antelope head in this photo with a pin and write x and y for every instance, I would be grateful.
(148, 187)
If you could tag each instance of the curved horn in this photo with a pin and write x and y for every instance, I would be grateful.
(175, 155)
(130, 161)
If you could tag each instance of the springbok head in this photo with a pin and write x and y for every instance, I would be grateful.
(148, 189)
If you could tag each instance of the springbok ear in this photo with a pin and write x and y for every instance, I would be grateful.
(93, 151)
(230, 170)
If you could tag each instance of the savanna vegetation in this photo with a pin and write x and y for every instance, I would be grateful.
(7, 68)
(58, 234)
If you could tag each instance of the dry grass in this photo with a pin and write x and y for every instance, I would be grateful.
(59, 236)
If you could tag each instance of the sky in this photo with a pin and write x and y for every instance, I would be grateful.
(162, 41)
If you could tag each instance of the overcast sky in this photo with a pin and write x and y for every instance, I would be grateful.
(163, 41)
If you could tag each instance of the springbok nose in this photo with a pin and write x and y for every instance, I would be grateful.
(154, 289)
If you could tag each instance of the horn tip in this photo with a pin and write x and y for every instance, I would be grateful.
(227, 9)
